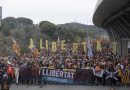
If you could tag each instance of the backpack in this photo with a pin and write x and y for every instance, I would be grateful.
(5, 85)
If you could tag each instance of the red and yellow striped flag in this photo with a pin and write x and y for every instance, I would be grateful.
(15, 46)
(125, 77)
(33, 49)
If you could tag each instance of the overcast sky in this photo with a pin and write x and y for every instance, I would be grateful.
(56, 11)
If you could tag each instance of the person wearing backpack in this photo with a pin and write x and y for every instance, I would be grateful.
(5, 85)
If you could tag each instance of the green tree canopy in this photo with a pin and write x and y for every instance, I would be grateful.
(10, 21)
(47, 27)
(24, 21)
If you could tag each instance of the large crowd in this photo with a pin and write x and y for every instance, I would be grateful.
(25, 69)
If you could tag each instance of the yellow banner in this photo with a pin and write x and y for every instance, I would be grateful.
(54, 48)
(63, 45)
(75, 47)
(46, 44)
(41, 44)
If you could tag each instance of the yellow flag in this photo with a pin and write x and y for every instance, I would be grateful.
(99, 46)
(63, 45)
(31, 43)
(46, 44)
(41, 44)
(15, 46)
(33, 49)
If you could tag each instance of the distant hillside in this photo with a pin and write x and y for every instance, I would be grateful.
(74, 25)
(79, 26)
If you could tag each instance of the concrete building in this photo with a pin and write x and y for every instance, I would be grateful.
(0, 15)
(114, 17)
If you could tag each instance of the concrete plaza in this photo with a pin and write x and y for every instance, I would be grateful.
(64, 87)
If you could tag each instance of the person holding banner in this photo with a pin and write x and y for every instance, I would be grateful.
(41, 76)
(35, 72)
(97, 70)
(111, 75)
(10, 72)
(51, 65)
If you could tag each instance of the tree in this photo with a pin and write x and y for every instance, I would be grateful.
(10, 21)
(24, 21)
(47, 27)
(6, 29)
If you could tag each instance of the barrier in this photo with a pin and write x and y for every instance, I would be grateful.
(82, 76)
(58, 76)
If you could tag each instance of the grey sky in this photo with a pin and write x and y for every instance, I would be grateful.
(56, 11)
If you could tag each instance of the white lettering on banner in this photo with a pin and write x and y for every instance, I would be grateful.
(47, 72)
(68, 75)
(43, 72)
(61, 74)
(57, 73)
(65, 74)
(53, 73)
(72, 75)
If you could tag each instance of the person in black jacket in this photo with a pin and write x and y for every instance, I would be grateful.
(1, 74)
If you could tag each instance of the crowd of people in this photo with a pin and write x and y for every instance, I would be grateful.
(26, 69)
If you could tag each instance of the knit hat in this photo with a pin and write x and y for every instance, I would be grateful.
(5, 76)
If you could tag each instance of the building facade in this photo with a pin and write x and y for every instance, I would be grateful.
(114, 17)
(0, 16)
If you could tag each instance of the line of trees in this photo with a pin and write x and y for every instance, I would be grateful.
(22, 29)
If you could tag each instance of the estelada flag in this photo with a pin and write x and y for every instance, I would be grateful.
(33, 49)
(125, 77)
(15, 46)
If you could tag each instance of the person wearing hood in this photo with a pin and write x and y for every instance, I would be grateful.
(5, 84)
(16, 71)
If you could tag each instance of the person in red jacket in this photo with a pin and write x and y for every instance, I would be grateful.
(10, 72)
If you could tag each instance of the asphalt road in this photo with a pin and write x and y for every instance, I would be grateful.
(65, 87)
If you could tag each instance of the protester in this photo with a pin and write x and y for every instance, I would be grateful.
(104, 68)
(5, 84)
(16, 70)
(10, 72)
(97, 69)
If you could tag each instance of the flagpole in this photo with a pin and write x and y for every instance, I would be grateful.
(114, 43)
(90, 52)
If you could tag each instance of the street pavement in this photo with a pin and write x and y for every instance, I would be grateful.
(64, 87)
